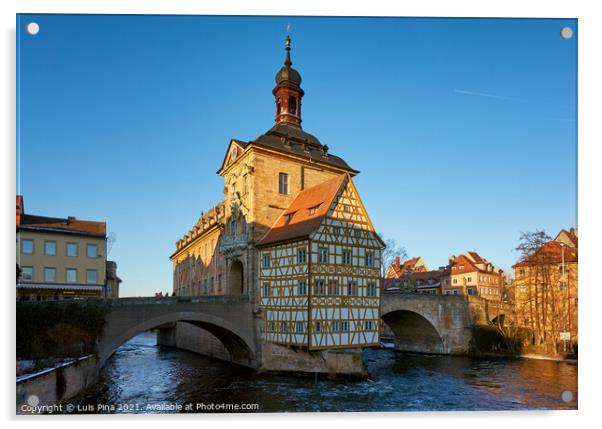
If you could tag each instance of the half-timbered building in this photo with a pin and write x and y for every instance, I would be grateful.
(319, 275)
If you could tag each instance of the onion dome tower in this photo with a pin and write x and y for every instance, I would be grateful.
(288, 91)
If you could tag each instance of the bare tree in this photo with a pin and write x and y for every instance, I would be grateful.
(391, 250)
(543, 294)
(507, 328)
(111, 239)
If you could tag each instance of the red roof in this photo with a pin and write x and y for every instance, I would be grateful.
(69, 225)
(20, 209)
(550, 253)
(305, 214)
(477, 258)
(466, 264)
(408, 265)
(427, 275)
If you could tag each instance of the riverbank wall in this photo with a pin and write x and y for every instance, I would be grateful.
(40, 392)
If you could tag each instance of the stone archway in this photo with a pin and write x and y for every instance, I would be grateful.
(413, 332)
(123, 325)
(236, 279)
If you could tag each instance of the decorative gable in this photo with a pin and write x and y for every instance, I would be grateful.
(234, 152)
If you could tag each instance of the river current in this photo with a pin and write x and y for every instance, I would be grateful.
(142, 377)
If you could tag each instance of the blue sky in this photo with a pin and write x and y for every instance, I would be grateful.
(464, 130)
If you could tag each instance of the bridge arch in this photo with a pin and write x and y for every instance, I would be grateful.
(414, 332)
(120, 328)
(499, 320)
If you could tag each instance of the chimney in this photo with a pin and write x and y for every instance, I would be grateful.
(397, 261)
(20, 209)
(70, 219)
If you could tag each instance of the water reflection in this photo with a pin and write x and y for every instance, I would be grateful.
(141, 373)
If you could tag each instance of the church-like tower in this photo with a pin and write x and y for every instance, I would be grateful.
(288, 91)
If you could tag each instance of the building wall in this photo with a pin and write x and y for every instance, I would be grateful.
(61, 262)
(199, 266)
(262, 203)
(561, 303)
(285, 301)
(490, 289)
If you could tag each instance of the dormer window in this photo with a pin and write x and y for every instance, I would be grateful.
(312, 210)
(288, 217)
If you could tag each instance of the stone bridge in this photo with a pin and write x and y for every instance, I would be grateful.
(227, 328)
(228, 319)
(438, 323)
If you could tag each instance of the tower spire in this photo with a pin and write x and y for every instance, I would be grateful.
(288, 90)
(288, 61)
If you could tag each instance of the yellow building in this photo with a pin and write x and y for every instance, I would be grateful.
(546, 286)
(290, 211)
(59, 258)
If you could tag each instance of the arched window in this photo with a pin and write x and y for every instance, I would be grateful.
(292, 105)
(278, 106)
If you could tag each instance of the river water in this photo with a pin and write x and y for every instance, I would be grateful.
(144, 378)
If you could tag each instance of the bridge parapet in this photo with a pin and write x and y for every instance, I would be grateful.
(219, 299)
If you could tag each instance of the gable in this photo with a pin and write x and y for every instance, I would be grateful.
(233, 153)
(347, 210)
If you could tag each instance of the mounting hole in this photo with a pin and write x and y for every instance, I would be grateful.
(566, 32)
(33, 28)
(566, 396)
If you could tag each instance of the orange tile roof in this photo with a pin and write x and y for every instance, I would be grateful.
(467, 264)
(551, 253)
(477, 258)
(296, 221)
(69, 225)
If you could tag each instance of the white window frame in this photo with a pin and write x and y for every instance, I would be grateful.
(283, 183)
(88, 272)
(301, 256)
(67, 271)
(70, 243)
(28, 240)
(88, 247)
(323, 255)
(49, 242)
(23, 269)
(50, 269)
